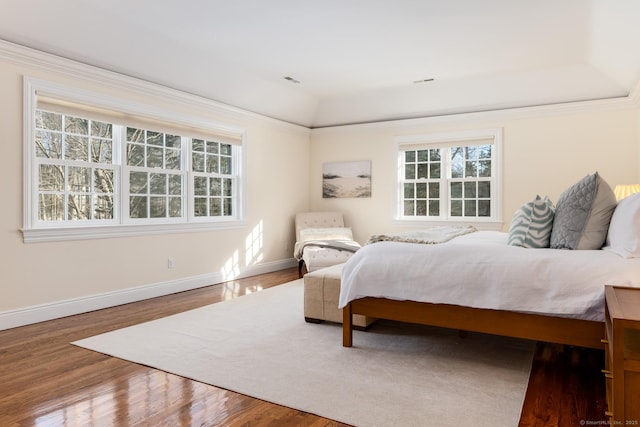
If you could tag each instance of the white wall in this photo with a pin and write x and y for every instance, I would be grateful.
(545, 150)
(41, 280)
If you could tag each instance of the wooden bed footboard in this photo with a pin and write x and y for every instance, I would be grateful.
(538, 327)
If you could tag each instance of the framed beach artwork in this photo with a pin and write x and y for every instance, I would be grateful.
(346, 179)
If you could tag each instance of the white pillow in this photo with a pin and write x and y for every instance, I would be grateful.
(623, 237)
(328, 233)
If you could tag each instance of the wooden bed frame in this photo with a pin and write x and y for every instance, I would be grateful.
(538, 327)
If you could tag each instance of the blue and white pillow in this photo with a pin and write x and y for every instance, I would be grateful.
(532, 224)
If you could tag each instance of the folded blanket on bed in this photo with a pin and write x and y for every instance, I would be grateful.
(341, 245)
(431, 235)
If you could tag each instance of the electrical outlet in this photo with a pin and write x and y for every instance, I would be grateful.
(170, 263)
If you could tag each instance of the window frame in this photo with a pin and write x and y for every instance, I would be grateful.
(445, 140)
(69, 163)
(127, 169)
(36, 231)
(236, 165)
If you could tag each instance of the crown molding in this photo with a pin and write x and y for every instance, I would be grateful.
(25, 56)
(538, 111)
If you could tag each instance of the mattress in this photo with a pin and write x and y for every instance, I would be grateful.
(481, 270)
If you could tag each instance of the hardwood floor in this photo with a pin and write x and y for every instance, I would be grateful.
(46, 381)
(566, 388)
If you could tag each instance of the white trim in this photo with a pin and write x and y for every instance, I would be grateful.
(440, 139)
(22, 55)
(29, 171)
(40, 313)
(36, 231)
(26, 56)
(35, 235)
(539, 111)
(65, 92)
(110, 103)
(480, 225)
(454, 136)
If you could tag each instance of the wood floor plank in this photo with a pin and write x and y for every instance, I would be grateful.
(46, 381)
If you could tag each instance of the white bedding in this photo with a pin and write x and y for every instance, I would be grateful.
(480, 270)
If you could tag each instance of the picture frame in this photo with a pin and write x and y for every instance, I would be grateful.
(346, 179)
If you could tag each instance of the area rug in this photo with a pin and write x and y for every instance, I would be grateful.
(394, 375)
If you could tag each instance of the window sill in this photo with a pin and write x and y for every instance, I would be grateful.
(112, 231)
(489, 224)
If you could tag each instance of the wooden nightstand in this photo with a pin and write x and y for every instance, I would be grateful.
(622, 354)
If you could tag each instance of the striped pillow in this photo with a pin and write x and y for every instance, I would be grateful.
(532, 223)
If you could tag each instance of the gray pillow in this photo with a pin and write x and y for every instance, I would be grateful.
(583, 214)
(532, 223)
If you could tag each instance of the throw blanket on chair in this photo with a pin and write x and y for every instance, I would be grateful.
(432, 235)
(341, 245)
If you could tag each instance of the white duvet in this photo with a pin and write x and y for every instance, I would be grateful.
(480, 270)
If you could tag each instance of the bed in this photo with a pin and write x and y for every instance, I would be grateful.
(480, 282)
(540, 294)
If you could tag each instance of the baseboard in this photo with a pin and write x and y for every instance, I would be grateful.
(40, 313)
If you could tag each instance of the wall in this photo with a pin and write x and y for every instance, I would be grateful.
(545, 150)
(45, 280)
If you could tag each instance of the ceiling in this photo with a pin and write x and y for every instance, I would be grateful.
(355, 60)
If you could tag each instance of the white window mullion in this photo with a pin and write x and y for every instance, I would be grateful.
(124, 172)
(118, 174)
(34, 191)
(237, 187)
(446, 181)
(187, 183)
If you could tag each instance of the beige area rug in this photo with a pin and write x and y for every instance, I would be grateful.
(395, 375)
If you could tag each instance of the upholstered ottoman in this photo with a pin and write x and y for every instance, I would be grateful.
(321, 295)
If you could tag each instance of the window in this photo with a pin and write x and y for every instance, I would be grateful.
(155, 174)
(89, 167)
(213, 181)
(75, 169)
(450, 177)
